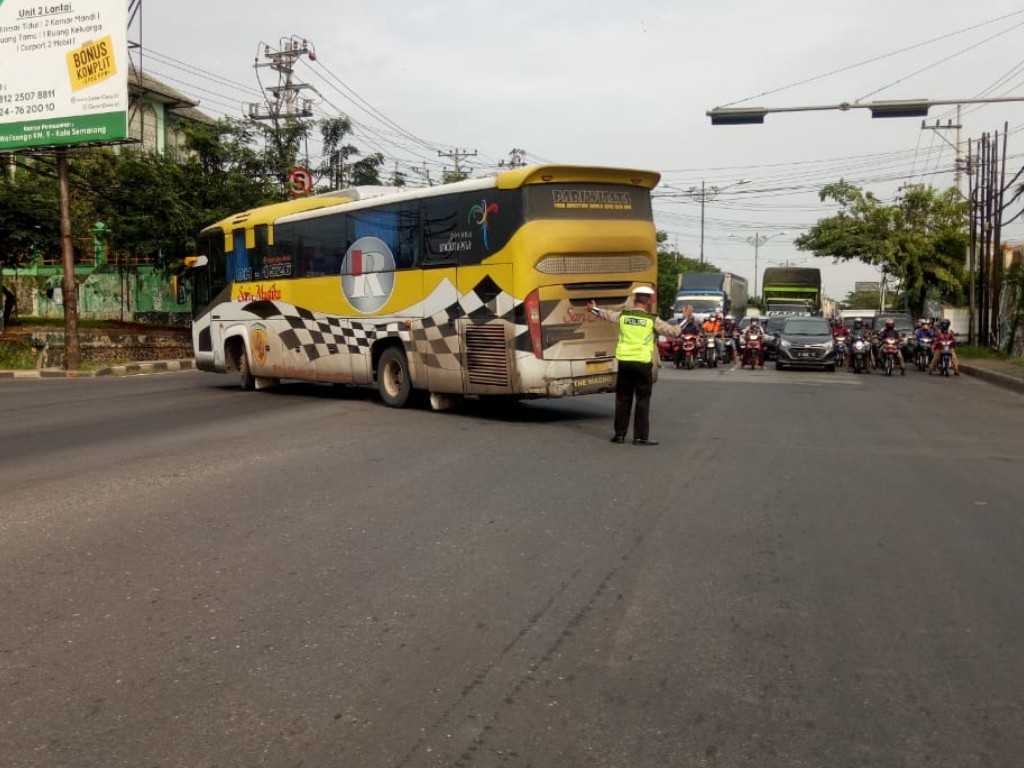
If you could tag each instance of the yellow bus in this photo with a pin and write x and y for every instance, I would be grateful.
(478, 287)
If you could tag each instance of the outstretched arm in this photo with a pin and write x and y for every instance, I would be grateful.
(605, 314)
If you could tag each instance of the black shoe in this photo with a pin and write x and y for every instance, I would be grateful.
(619, 439)
(641, 441)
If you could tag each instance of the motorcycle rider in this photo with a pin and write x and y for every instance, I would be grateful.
(890, 332)
(712, 327)
(924, 336)
(944, 334)
(688, 325)
(862, 332)
(755, 331)
(730, 333)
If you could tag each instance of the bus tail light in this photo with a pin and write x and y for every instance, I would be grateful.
(532, 304)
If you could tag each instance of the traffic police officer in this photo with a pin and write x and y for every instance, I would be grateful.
(635, 355)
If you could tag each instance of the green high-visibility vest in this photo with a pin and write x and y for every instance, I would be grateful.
(636, 337)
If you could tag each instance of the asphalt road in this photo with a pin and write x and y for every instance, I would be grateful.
(812, 569)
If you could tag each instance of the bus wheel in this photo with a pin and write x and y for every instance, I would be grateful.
(393, 378)
(245, 375)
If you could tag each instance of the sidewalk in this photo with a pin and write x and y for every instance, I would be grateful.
(129, 369)
(996, 372)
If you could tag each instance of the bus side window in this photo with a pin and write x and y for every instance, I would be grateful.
(259, 254)
(440, 232)
(239, 270)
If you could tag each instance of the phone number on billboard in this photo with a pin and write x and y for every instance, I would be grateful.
(23, 96)
(27, 109)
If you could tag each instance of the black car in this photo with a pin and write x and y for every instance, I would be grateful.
(805, 342)
(772, 325)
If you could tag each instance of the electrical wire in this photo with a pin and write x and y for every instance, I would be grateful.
(875, 59)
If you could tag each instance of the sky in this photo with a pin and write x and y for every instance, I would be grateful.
(629, 84)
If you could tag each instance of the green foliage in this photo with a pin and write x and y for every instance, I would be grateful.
(334, 168)
(920, 239)
(367, 170)
(29, 219)
(15, 355)
(860, 301)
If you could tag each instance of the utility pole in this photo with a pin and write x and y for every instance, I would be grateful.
(284, 99)
(704, 194)
(937, 128)
(456, 156)
(284, 102)
(516, 159)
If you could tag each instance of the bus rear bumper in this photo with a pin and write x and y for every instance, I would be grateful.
(575, 378)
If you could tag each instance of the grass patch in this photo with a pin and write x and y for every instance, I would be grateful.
(984, 353)
(16, 356)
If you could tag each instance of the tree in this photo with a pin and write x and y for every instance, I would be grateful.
(920, 239)
(367, 170)
(29, 215)
(333, 131)
(860, 300)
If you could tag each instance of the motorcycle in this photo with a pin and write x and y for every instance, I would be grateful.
(922, 354)
(685, 351)
(889, 350)
(859, 351)
(731, 354)
(840, 351)
(945, 356)
(710, 357)
(752, 352)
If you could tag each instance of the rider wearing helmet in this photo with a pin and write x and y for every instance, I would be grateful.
(729, 333)
(945, 333)
(862, 332)
(890, 332)
(755, 331)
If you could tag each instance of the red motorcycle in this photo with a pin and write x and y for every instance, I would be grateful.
(945, 347)
(753, 352)
(685, 351)
(890, 350)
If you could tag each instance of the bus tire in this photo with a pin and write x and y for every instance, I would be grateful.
(393, 381)
(246, 378)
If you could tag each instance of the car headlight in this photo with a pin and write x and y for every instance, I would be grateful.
(784, 344)
(662, 339)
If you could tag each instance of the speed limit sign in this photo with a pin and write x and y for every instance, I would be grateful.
(300, 181)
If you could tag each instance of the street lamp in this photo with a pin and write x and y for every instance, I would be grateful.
(704, 194)
(894, 108)
(757, 240)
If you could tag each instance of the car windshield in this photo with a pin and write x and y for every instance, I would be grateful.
(866, 321)
(903, 325)
(806, 326)
(700, 306)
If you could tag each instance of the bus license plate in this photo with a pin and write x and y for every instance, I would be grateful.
(601, 367)
(586, 382)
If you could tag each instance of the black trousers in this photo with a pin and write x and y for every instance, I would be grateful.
(635, 379)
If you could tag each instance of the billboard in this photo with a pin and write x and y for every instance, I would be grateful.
(867, 287)
(64, 78)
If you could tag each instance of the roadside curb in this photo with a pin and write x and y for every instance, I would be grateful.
(994, 377)
(129, 369)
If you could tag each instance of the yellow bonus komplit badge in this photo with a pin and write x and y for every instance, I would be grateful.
(91, 63)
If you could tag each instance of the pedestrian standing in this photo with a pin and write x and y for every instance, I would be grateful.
(635, 356)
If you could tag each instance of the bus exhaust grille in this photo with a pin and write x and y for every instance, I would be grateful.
(594, 264)
(487, 355)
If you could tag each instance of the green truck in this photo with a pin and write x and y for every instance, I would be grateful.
(792, 290)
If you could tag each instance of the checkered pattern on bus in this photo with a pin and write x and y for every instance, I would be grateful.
(433, 339)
